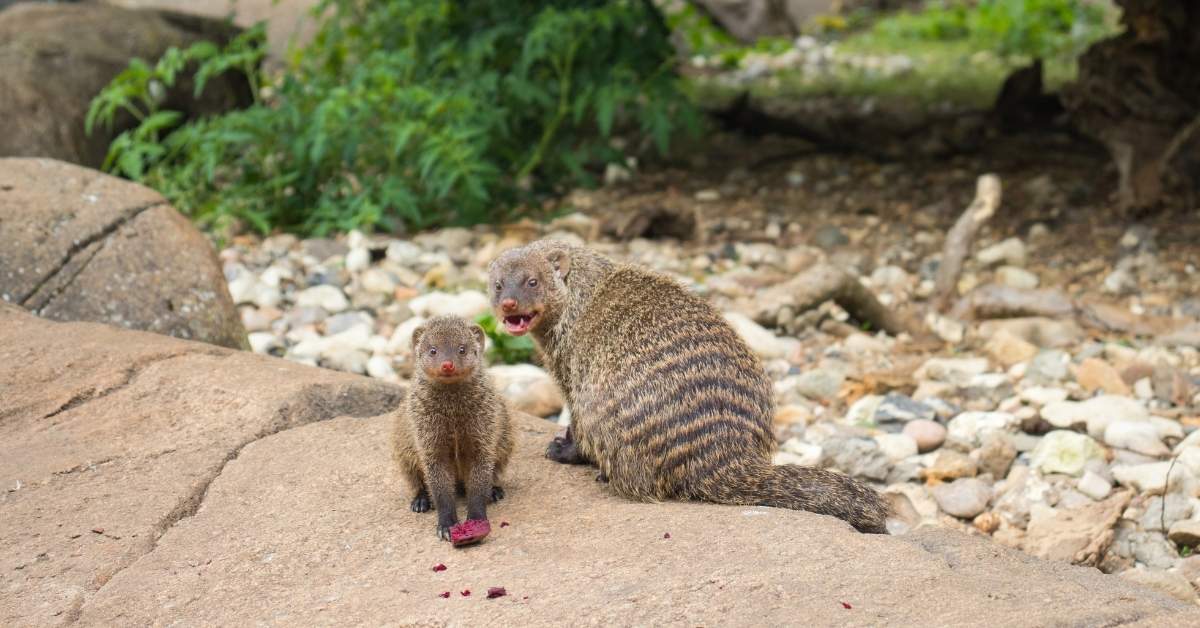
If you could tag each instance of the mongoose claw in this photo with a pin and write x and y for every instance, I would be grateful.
(600, 477)
(421, 503)
(497, 493)
(563, 451)
(443, 531)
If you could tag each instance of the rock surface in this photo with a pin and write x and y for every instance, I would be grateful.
(84, 246)
(138, 492)
(57, 57)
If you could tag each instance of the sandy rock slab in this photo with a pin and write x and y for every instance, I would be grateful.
(108, 438)
(80, 245)
(308, 527)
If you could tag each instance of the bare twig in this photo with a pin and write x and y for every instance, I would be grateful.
(958, 241)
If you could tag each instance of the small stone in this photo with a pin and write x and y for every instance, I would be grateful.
(1008, 349)
(1185, 533)
(378, 281)
(381, 368)
(950, 465)
(972, 427)
(468, 304)
(1158, 512)
(946, 328)
(1167, 582)
(1094, 486)
(1066, 452)
(929, 435)
(345, 359)
(819, 384)
(1096, 413)
(788, 415)
(1094, 374)
(1143, 389)
(1150, 477)
(952, 370)
(1152, 550)
(708, 196)
(896, 447)
(1048, 367)
(805, 454)
(326, 297)
(358, 259)
(761, 340)
(1136, 436)
(987, 522)
(964, 499)
(897, 408)
(528, 388)
(1014, 277)
(263, 342)
(829, 237)
(996, 455)
(1040, 395)
(1010, 251)
(858, 457)
(401, 341)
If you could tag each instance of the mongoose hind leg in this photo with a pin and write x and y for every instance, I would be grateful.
(564, 450)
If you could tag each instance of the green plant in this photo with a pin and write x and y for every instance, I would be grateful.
(505, 348)
(1035, 28)
(408, 114)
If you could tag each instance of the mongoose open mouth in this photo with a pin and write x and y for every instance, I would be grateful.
(518, 324)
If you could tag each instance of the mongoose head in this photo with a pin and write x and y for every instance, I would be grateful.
(447, 349)
(527, 284)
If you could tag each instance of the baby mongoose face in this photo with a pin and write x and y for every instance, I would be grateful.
(448, 349)
(521, 280)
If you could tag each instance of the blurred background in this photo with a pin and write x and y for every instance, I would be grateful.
(963, 235)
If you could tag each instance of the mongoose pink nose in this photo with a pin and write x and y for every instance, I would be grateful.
(448, 368)
(508, 305)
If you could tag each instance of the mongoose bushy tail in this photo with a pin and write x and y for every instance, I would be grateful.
(665, 398)
(454, 428)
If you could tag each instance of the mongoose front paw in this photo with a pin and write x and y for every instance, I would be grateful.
(421, 503)
(564, 451)
(600, 477)
(497, 493)
(443, 530)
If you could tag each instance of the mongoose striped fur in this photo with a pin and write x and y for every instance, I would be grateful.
(665, 398)
(454, 429)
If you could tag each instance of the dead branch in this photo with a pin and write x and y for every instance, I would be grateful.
(825, 282)
(958, 241)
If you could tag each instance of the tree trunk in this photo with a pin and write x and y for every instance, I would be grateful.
(1139, 94)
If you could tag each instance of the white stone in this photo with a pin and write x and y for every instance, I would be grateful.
(1041, 395)
(896, 447)
(242, 288)
(1096, 412)
(263, 342)
(1064, 451)
(467, 304)
(1143, 388)
(952, 370)
(378, 281)
(1137, 436)
(1094, 486)
(973, 427)
(1014, 277)
(1151, 476)
(1010, 251)
(381, 368)
(357, 260)
(761, 340)
(403, 252)
(401, 341)
(808, 454)
(528, 388)
(862, 412)
(329, 298)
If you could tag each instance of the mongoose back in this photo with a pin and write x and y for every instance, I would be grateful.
(664, 396)
(454, 428)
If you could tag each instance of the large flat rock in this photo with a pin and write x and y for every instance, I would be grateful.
(108, 438)
(223, 498)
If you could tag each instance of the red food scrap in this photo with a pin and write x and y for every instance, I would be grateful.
(466, 592)
(666, 535)
(469, 531)
(847, 606)
(444, 594)
(503, 524)
(496, 592)
(439, 567)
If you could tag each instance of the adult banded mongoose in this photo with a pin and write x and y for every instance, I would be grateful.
(454, 429)
(664, 396)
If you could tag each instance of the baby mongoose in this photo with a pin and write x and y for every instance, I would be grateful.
(664, 396)
(453, 430)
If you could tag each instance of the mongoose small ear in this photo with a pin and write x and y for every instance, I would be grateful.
(416, 337)
(478, 331)
(561, 261)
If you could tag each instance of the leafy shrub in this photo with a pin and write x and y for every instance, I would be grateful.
(1036, 28)
(505, 348)
(407, 114)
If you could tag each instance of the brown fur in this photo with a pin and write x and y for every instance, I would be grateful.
(665, 397)
(452, 431)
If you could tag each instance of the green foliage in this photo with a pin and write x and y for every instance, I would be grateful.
(1035, 28)
(407, 114)
(505, 348)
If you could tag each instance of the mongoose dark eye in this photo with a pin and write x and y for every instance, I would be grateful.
(433, 351)
(498, 286)
(462, 349)
(533, 283)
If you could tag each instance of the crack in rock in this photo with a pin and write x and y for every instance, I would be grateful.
(314, 403)
(80, 245)
(37, 308)
(128, 376)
